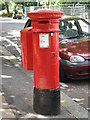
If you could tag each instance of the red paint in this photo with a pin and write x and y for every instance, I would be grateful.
(77, 71)
(80, 47)
(46, 60)
(27, 48)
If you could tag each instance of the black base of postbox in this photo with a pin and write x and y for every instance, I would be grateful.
(47, 102)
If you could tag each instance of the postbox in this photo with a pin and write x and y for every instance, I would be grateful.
(27, 48)
(45, 27)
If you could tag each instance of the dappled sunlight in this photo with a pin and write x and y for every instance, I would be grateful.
(69, 53)
(63, 49)
(31, 115)
(15, 33)
(86, 40)
(8, 45)
(2, 38)
(14, 45)
(8, 57)
(5, 104)
(6, 76)
(2, 110)
(1, 93)
(7, 65)
(74, 46)
(1, 51)
(12, 96)
(10, 36)
(19, 58)
(17, 65)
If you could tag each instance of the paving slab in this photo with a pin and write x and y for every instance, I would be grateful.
(5, 110)
(69, 111)
(18, 89)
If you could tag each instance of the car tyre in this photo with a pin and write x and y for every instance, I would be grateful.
(62, 75)
(14, 17)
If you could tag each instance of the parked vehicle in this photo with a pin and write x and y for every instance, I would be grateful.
(74, 44)
(18, 11)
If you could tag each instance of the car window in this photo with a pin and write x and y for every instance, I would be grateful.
(19, 7)
(84, 26)
(28, 23)
(68, 29)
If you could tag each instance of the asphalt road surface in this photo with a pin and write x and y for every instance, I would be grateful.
(78, 90)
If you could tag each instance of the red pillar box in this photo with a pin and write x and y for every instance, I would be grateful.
(27, 48)
(45, 26)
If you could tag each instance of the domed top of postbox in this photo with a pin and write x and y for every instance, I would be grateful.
(45, 14)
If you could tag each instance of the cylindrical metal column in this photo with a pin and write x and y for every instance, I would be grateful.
(45, 24)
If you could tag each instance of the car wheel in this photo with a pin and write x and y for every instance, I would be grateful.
(62, 75)
(14, 17)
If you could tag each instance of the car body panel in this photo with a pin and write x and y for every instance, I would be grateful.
(75, 46)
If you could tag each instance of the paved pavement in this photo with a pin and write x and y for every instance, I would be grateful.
(17, 86)
(6, 111)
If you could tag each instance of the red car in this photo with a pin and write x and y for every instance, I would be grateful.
(74, 44)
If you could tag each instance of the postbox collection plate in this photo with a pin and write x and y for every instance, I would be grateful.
(43, 40)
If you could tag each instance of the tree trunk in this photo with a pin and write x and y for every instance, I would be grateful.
(7, 7)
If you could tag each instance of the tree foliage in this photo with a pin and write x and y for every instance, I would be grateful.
(8, 5)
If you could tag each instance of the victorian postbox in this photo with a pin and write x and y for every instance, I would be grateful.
(45, 27)
(27, 48)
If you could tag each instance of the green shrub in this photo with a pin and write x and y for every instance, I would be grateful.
(11, 12)
(3, 13)
(2, 6)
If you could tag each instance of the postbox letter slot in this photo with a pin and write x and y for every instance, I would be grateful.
(43, 22)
